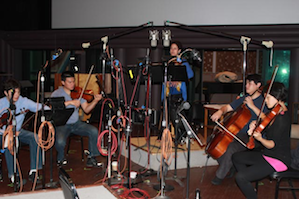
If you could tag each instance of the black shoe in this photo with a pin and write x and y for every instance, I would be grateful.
(24, 181)
(31, 177)
(231, 173)
(216, 181)
(92, 162)
(61, 163)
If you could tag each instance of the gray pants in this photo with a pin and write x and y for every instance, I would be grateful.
(225, 161)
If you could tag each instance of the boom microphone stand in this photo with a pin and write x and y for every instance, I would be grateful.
(165, 124)
(177, 73)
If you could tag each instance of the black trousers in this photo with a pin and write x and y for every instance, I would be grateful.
(225, 161)
(251, 166)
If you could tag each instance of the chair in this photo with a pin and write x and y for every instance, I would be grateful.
(1, 173)
(196, 114)
(289, 175)
(68, 188)
(73, 136)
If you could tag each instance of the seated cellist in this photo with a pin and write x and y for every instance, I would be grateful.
(253, 101)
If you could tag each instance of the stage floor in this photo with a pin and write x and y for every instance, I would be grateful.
(200, 177)
(139, 154)
(90, 192)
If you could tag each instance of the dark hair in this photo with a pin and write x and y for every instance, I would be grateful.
(256, 78)
(278, 91)
(11, 84)
(67, 74)
(179, 44)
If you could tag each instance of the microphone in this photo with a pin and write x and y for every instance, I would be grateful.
(166, 36)
(184, 106)
(196, 55)
(86, 45)
(57, 54)
(154, 37)
(12, 106)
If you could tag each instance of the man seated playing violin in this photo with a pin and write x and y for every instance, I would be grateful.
(74, 125)
(253, 101)
(12, 91)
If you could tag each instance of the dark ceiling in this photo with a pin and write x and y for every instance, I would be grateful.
(203, 37)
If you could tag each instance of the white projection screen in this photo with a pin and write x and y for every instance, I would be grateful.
(122, 13)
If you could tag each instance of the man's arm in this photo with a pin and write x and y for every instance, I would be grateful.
(87, 107)
(224, 109)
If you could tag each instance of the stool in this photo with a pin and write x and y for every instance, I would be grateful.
(290, 174)
(73, 136)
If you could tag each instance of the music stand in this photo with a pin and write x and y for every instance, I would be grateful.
(58, 116)
(177, 73)
(157, 70)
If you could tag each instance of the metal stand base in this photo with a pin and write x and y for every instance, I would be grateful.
(52, 185)
(47, 185)
(177, 179)
(118, 180)
(166, 187)
(149, 172)
(162, 197)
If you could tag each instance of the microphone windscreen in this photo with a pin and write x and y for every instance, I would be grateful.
(166, 43)
(154, 43)
(187, 106)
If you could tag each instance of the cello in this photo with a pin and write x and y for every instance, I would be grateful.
(225, 133)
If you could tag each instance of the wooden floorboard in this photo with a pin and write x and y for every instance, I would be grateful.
(83, 176)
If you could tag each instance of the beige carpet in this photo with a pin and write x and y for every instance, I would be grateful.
(94, 192)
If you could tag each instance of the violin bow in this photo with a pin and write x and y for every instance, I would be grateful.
(86, 82)
(268, 91)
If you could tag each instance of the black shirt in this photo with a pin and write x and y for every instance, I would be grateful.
(279, 132)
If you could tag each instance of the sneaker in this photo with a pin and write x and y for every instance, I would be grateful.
(216, 181)
(92, 162)
(61, 163)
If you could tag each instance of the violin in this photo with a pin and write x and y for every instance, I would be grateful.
(6, 118)
(264, 123)
(272, 114)
(87, 94)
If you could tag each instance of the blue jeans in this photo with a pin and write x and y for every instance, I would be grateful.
(77, 128)
(26, 137)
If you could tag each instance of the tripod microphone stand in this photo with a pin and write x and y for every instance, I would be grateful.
(184, 105)
(148, 110)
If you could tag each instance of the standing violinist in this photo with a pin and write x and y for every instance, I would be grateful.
(177, 90)
(74, 125)
(276, 155)
(253, 101)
